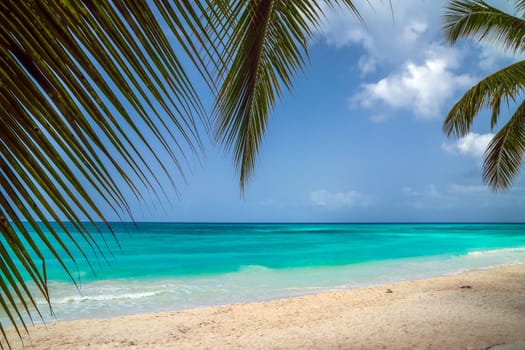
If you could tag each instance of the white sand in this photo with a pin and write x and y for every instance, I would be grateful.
(427, 314)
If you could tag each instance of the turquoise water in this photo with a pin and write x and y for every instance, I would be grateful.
(165, 266)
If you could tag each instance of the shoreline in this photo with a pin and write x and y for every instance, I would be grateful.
(478, 309)
(256, 283)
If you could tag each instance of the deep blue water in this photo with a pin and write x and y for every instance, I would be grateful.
(164, 266)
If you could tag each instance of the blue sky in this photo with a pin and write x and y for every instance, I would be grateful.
(359, 138)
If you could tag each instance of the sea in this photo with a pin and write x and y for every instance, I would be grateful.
(153, 267)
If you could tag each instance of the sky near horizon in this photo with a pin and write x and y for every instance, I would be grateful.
(359, 138)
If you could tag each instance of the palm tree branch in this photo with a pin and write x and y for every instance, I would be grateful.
(506, 84)
(73, 76)
(504, 153)
(264, 51)
(478, 20)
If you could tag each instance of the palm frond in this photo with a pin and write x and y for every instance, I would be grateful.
(265, 47)
(504, 154)
(520, 8)
(504, 85)
(477, 20)
(86, 88)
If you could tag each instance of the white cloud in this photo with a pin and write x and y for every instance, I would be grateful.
(469, 189)
(388, 34)
(367, 65)
(430, 191)
(413, 30)
(404, 42)
(422, 89)
(341, 27)
(324, 198)
(493, 57)
(394, 34)
(471, 145)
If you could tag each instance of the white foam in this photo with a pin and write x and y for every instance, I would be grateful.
(502, 251)
(103, 297)
(255, 283)
(254, 268)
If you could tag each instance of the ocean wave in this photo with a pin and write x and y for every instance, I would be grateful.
(105, 297)
(501, 251)
(254, 268)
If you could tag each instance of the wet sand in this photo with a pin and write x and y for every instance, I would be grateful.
(474, 310)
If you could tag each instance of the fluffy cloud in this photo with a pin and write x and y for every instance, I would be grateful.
(324, 198)
(421, 88)
(492, 57)
(471, 145)
(404, 43)
(394, 34)
(341, 27)
(388, 34)
(366, 65)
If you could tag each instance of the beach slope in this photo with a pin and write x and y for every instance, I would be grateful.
(474, 310)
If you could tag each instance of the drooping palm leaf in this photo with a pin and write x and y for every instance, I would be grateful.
(265, 46)
(73, 76)
(520, 7)
(480, 21)
(505, 85)
(505, 152)
(85, 86)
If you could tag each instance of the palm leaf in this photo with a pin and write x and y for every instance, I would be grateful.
(477, 20)
(87, 91)
(85, 88)
(520, 8)
(504, 85)
(504, 154)
(265, 45)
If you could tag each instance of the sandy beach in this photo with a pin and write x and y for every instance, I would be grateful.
(474, 310)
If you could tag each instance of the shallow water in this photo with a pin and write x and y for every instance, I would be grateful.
(165, 266)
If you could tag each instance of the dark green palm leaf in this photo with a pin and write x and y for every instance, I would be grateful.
(504, 154)
(505, 85)
(86, 87)
(265, 45)
(480, 21)
(73, 76)
(520, 8)
(477, 20)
